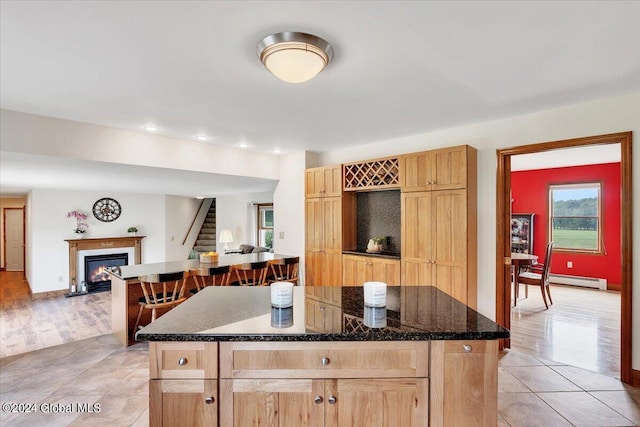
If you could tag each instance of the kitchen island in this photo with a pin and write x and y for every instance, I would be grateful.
(126, 290)
(226, 357)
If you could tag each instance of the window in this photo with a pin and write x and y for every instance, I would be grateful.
(265, 225)
(575, 212)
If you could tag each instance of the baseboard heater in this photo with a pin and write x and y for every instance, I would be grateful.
(588, 282)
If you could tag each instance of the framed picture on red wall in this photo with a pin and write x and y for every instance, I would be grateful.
(522, 233)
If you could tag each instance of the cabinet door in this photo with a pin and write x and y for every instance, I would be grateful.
(312, 261)
(330, 268)
(355, 270)
(183, 403)
(414, 173)
(331, 224)
(377, 402)
(448, 168)
(417, 239)
(332, 181)
(464, 383)
(314, 182)
(313, 224)
(272, 402)
(384, 270)
(417, 273)
(449, 214)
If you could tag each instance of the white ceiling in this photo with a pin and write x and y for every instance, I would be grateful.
(399, 68)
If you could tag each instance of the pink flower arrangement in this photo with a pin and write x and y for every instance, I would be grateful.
(81, 225)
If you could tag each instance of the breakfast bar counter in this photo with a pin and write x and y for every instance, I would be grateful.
(227, 357)
(126, 290)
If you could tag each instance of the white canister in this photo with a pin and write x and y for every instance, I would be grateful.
(375, 294)
(282, 294)
(74, 289)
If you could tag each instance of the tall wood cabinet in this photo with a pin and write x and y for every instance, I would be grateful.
(438, 227)
(323, 227)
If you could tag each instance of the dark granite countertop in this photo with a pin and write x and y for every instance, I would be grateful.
(136, 270)
(233, 313)
(386, 255)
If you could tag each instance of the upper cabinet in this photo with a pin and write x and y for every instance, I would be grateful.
(324, 181)
(442, 169)
(377, 174)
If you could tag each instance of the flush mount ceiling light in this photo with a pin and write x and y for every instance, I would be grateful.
(294, 57)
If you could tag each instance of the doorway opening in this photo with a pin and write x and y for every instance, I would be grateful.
(503, 241)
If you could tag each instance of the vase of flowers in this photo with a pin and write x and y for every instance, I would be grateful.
(81, 226)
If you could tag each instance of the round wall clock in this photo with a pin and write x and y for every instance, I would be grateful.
(107, 209)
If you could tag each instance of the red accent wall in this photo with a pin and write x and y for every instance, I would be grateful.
(529, 194)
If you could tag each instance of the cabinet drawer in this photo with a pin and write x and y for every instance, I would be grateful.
(354, 359)
(175, 360)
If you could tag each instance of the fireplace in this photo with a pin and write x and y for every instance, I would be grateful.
(105, 246)
(94, 270)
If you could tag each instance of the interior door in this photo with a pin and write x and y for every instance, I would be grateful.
(14, 239)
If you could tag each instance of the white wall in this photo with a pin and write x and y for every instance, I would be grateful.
(179, 212)
(237, 213)
(288, 220)
(617, 114)
(48, 227)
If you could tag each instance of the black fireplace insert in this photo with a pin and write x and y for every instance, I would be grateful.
(95, 274)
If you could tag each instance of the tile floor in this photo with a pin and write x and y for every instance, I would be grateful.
(98, 370)
(532, 391)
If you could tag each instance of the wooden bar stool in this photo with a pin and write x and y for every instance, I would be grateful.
(164, 290)
(252, 273)
(201, 277)
(285, 270)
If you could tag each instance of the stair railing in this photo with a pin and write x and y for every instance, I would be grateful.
(193, 222)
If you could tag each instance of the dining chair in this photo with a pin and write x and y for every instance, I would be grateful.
(538, 275)
(284, 270)
(160, 291)
(252, 273)
(209, 276)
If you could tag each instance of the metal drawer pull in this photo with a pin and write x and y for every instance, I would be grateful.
(209, 400)
(332, 400)
(182, 361)
(467, 348)
(317, 400)
(325, 361)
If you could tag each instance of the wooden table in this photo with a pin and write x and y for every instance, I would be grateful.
(126, 290)
(520, 260)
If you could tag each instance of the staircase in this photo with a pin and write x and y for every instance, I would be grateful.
(206, 240)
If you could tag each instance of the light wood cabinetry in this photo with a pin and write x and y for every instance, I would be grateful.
(379, 383)
(464, 383)
(442, 169)
(359, 269)
(439, 242)
(183, 389)
(324, 384)
(324, 181)
(323, 243)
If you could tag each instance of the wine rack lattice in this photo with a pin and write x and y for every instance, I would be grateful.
(372, 174)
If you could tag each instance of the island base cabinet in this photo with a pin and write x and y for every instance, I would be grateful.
(183, 403)
(464, 383)
(333, 402)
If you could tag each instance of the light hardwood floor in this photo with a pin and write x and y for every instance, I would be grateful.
(532, 391)
(581, 328)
